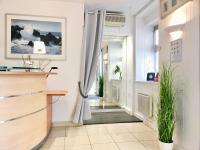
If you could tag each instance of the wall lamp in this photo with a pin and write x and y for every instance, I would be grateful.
(175, 31)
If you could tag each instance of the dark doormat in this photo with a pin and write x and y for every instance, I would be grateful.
(111, 117)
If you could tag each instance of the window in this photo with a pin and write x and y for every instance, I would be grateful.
(156, 45)
(147, 54)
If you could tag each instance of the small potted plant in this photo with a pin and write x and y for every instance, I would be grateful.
(101, 84)
(118, 70)
(166, 109)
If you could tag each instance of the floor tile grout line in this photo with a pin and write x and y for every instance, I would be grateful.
(114, 141)
(126, 142)
(138, 141)
(110, 135)
(143, 145)
(89, 138)
(65, 137)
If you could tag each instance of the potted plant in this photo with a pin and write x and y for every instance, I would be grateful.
(118, 70)
(166, 109)
(101, 84)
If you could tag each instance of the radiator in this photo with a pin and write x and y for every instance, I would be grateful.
(115, 93)
(145, 105)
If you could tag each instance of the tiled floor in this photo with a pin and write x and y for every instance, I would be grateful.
(127, 136)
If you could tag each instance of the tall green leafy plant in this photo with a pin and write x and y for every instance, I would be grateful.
(101, 84)
(166, 109)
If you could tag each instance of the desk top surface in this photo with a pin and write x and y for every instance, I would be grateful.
(56, 92)
(25, 73)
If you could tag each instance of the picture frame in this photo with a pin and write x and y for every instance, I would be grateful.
(23, 30)
(150, 76)
(169, 6)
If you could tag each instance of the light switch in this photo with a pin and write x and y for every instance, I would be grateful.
(176, 50)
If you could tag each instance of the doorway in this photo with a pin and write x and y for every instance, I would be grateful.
(111, 69)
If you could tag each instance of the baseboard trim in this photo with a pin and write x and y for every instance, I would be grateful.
(64, 124)
(146, 121)
(127, 110)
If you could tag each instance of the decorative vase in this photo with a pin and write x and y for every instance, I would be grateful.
(166, 146)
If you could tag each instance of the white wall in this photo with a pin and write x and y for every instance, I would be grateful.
(68, 72)
(145, 58)
(186, 73)
(130, 76)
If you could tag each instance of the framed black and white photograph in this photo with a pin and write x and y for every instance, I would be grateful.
(23, 31)
(168, 6)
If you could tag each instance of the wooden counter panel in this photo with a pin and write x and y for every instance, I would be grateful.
(15, 107)
(25, 133)
(11, 85)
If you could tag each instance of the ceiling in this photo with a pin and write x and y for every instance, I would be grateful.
(117, 5)
(132, 6)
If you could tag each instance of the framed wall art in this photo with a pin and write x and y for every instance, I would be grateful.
(23, 30)
(168, 6)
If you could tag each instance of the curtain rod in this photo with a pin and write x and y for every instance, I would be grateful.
(108, 13)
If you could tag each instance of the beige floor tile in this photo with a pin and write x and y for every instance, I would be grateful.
(97, 139)
(57, 132)
(96, 130)
(112, 125)
(151, 145)
(131, 146)
(128, 136)
(94, 125)
(138, 127)
(80, 147)
(53, 148)
(145, 136)
(76, 131)
(108, 146)
(114, 129)
(55, 142)
(122, 125)
(77, 140)
(123, 137)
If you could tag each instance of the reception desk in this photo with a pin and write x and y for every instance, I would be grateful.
(25, 109)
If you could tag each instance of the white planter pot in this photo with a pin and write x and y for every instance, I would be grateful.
(101, 99)
(166, 146)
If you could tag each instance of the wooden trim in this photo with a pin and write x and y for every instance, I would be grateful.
(50, 94)
(49, 113)
(56, 92)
